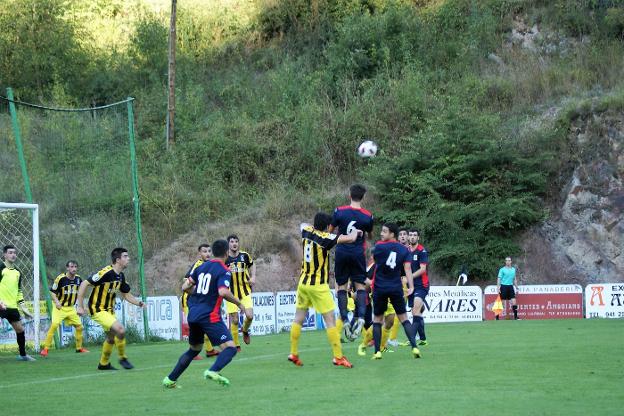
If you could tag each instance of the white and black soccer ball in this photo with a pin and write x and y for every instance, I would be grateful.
(367, 148)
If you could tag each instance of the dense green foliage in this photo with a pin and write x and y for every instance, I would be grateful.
(274, 95)
(464, 370)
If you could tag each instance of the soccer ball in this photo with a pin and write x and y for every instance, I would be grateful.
(367, 149)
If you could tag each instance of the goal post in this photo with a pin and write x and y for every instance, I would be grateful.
(19, 226)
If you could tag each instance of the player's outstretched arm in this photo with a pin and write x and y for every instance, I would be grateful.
(188, 285)
(129, 297)
(226, 294)
(81, 293)
(349, 238)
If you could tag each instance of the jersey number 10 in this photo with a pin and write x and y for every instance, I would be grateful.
(204, 283)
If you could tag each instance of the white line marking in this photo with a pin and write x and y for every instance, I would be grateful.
(97, 374)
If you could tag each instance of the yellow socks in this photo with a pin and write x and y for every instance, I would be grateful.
(48, 341)
(107, 350)
(295, 333)
(368, 336)
(78, 337)
(334, 340)
(121, 347)
(234, 331)
(246, 324)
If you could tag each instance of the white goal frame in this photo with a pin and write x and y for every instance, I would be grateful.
(34, 209)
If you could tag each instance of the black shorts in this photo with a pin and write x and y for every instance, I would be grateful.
(507, 292)
(350, 266)
(10, 314)
(217, 332)
(381, 298)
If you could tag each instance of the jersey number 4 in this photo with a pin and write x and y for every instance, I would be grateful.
(204, 283)
(391, 262)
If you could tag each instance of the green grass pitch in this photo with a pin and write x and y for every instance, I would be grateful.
(496, 368)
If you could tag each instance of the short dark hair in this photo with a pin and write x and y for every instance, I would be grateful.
(414, 230)
(7, 248)
(392, 227)
(322, 220)
(202, 245)
(71, 262)
(116, 253)
(357, 191)
(403, 229)
(230, 237)
(220, 247)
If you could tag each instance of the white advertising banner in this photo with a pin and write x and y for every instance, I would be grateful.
(163, 314)
(285, 307)
(454, 304)
(264, 313)
(604, 300)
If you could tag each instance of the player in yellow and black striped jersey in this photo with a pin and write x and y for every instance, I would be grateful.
(313, 289)
(205, 253)
(243, 271)
(106, 283)
(64, 293)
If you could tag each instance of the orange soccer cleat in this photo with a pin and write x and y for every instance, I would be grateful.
(342, 362)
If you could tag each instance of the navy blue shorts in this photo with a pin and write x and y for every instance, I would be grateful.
(419, 292)
(217, 332)
(350, 266)
(381, 298)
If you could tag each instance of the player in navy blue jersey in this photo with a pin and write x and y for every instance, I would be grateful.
(351, 258)
(208, 285)
(390, 257)
(417, 300)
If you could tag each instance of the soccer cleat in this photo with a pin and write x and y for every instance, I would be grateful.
(377, 356)
(170, 384)
(44, 352)
(361, 350)
(126, 364)
(423, 342)
(214, 376)
(346, 330)
(106, 367)
(25, 358)
(246, 337)
(293, 358)
(386, 349)
(416, 352)
(342, 362)
(197, 358)
(212, 353)
(238, 348)
(81, 350)
(393, 342)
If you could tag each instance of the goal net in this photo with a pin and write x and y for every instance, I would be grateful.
(19, 226)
